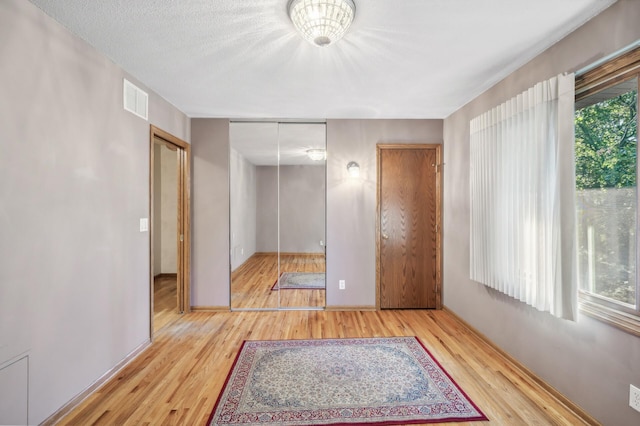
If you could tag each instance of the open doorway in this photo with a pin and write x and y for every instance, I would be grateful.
(169, 236)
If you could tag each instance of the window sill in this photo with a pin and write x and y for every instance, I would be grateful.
(626, 322)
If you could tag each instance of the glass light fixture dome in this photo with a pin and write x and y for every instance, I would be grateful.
(317, 154)
(322, 22)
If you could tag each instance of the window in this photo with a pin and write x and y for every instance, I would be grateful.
(606, 136)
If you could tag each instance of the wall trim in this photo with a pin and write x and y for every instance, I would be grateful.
(242, 264)
(210, 309)
(108, 375)
(286, 253)
(553, 392)
(341, 308)
(614, 317)
(166, 275)
(183, 234)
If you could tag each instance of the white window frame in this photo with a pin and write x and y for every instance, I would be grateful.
(621, 68)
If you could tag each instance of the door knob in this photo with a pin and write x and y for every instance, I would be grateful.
(385, 236)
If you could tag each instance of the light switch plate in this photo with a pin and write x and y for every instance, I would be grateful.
(144, 224)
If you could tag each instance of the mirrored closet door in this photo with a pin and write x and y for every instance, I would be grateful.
(277, 215)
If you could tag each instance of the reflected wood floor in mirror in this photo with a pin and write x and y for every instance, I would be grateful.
(165, 300)
(251, 282)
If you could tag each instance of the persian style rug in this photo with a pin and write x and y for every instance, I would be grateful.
(378, 381)
(300, 281)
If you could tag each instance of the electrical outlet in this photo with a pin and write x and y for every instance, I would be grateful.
(341, 284)
(634, 397)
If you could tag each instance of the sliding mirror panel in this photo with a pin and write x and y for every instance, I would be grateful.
(253, 180)
(277, 215)
(302, 191)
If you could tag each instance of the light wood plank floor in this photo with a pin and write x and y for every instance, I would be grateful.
(177, 380)
(165, 301)
(251, 283)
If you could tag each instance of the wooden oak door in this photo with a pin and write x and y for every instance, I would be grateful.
(408, 224)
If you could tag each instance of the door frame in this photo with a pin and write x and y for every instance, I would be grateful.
(183, 236)
(438, 165)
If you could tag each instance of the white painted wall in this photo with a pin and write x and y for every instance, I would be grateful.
(169, 210)
(157, 210)
(588, 361)
(267, 215)
(242, 178)
(74, 183)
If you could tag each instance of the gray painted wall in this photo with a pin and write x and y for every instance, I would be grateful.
(81, 272)
(210, 212)
(351, 203)
(351, 208)
(302, 209)
(588, 361)
(74, 183)
(242, 177)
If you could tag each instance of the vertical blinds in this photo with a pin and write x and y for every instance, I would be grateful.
(522, 198)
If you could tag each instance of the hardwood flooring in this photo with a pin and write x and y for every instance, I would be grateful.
(165, 300)
(176, 381)
(251, 282)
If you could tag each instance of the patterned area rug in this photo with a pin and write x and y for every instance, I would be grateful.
(379, 381)
(300, 281)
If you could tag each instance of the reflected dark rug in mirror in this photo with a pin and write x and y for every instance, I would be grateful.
(379, 381)
(300, 281)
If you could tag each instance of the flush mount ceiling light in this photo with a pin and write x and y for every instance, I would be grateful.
(317, 154)
(322, 22)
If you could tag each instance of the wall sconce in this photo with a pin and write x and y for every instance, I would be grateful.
(354, 169)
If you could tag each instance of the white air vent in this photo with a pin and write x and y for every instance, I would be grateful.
(135, 100)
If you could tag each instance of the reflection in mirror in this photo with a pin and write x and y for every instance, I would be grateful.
(302, 214)
(254, 263)
(277, 215)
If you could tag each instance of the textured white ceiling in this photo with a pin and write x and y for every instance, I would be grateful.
(244, 59)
